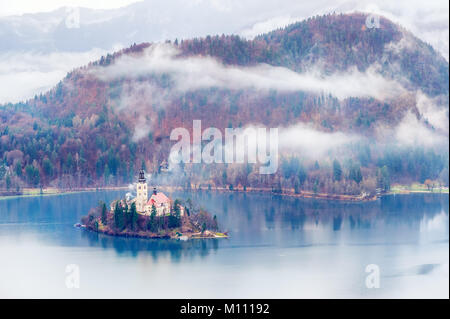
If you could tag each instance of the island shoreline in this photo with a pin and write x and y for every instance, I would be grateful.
(148, 236)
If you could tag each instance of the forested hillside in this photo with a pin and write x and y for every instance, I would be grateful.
(330, 75)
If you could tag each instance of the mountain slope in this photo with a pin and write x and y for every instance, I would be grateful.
(330, 74)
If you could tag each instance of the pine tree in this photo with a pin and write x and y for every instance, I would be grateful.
(118, 216)
(8, 182)
(355, 173)
(151, 226)
(106, 174)
(215, 225)
(134, 216)
(203, 227)
(176, 207)
(103, 216)
(337, 170)
(18, 168)
(383, 179)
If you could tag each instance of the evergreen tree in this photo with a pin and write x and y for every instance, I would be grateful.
(176, 207)
(203, 227)
(316, 165)
(118, 216)
(134, 216)
(337, 170)
(69, 163)
(18, 168)
(215, 224)
(32, 174)
(383, 179)
(8, 182)
(355, 173)
(106, 174)
(386, 178)
(47, 167)
(152, 226)
(103, 213)
(2, 171)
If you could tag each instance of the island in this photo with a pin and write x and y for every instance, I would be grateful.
(154, 217)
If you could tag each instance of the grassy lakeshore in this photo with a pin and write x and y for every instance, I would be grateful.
(417, 188)
(284, 192)
(51, 191)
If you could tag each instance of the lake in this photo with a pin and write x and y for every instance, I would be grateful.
(279, 247)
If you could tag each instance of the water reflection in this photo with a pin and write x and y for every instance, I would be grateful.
(175, 249)
(251, 219)
(243, 209)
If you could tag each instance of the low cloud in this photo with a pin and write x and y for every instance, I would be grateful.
(267, 26)
(304, 140)
(310, 142)
(203, 72)
(22, 75)
(138, 99)
(412, 132)
(300, 139)
(433, 111)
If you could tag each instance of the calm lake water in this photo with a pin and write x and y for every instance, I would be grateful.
(279, 248)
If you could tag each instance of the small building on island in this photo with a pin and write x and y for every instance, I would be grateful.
(163, 204)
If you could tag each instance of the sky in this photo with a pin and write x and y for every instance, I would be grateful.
(427, 19)
(18, 7)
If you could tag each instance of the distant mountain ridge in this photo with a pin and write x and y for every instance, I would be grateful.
(78, 29)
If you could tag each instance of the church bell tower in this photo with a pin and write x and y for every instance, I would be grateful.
(141, 192)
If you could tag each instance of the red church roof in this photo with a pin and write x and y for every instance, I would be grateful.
(158, 199)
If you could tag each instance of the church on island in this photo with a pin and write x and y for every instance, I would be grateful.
(162, 203)
(144, 205)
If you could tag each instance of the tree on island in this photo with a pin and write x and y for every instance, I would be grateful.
(103, 213)
(152, 225)
(134, 216)
(429, 184)
(118, 217)
(203, 227)
(176, 207)
(215, 224)
(174, 219)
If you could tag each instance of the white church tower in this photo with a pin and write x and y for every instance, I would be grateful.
(141, 193)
